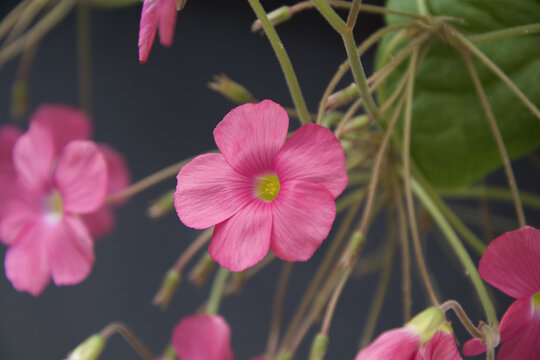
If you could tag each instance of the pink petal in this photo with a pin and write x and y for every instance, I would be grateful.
(119, 176)
(313, 154)
(9, 135)
(147, 28)
(167, 21)
(9, 185)
(516, 317)
(442, 346)
(209, 191)
(202, 337)
(17, 213)
(303, 216)
(473, 347)
(69, 251)
(65, 122)
(100, 222)
(396, 344)
(525, 346)
(33, 156)
(244, 239)
(81, 177)
(26, 262)
(511, 263)
(250, 136)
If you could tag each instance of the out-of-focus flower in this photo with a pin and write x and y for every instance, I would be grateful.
(156, 13)
(511, 263)
(425, 337)
(202, 337)
(261, 192)
(40, 222)
(8, 178)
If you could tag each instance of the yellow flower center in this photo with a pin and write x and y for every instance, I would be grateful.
(55, 207)
(536, 302)
(267, 187)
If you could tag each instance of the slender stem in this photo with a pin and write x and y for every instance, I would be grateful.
(147, 182)
(496, 35)
(330, 15)
(8, 22)
(497, 71)
(462, 316)
(353, 13)
(216, 293)
(381, 290)
(332, 303)
(459, 249)
(84, 62)
(498, 140)
(493, 193)
(25, 20)
(405, 257)
(127, 334)
(422, 7)
(277, 309)
(39, 30)
(192, 250)
(407, 181)
(344, 67)
(285, 62)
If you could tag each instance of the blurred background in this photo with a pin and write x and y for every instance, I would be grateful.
(161, 112)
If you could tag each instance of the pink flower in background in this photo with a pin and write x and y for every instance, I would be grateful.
(8, 178)
(202, 337)
(425, 337)
(40, 222)
(156, 13)
(263, 192)
(53, 139)
(511, 263)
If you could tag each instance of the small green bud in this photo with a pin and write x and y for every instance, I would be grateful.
(90, 349)
(167, 290)
(202, 270)
(343, 97)
(276, 17)
(231, 90)
(19, 99)
(332, 118)
(355, 245)
(162, 206)
(319, 346)
(427, 323)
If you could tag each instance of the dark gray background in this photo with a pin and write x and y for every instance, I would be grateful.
(157, 114)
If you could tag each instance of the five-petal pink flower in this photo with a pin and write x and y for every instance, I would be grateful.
(511, 263)
(263, 192)
(202, 337)
(156, 13)
(58, 179)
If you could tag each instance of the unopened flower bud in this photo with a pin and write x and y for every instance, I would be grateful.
(90, 349)
(355, 245)
(231, 89)
(427, 322)
(357, 123)
(318, 348)
(276, 17)
(343, 97)
(162, 206)
(167, 290)
(331, 118)
(19, 99)
(202, 270)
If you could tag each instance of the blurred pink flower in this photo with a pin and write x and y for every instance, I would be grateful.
(156, 13)
(55, 131)
(425, 337)
(511, 263)
(263, 192)
(8, 178)
(202, 337)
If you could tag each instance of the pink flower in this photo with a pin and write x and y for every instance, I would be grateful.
(261, 192)
(156, 13)
(202, 337)
(8, 178)
(511, 263)
(425, 337)
(61, 180)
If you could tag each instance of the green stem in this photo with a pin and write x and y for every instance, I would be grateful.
(459, 249)
(284, 61)
(216, 293)
(493, 193)
(353, 13)
(330, 15)
(422, 8)
(505, 33)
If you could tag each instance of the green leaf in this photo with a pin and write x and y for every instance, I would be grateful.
(451, 140)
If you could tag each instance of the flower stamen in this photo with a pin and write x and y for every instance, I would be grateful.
(267, 187)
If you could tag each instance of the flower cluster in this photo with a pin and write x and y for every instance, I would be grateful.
(54, 183)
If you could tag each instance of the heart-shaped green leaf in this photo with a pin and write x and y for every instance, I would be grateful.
(451, 140)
